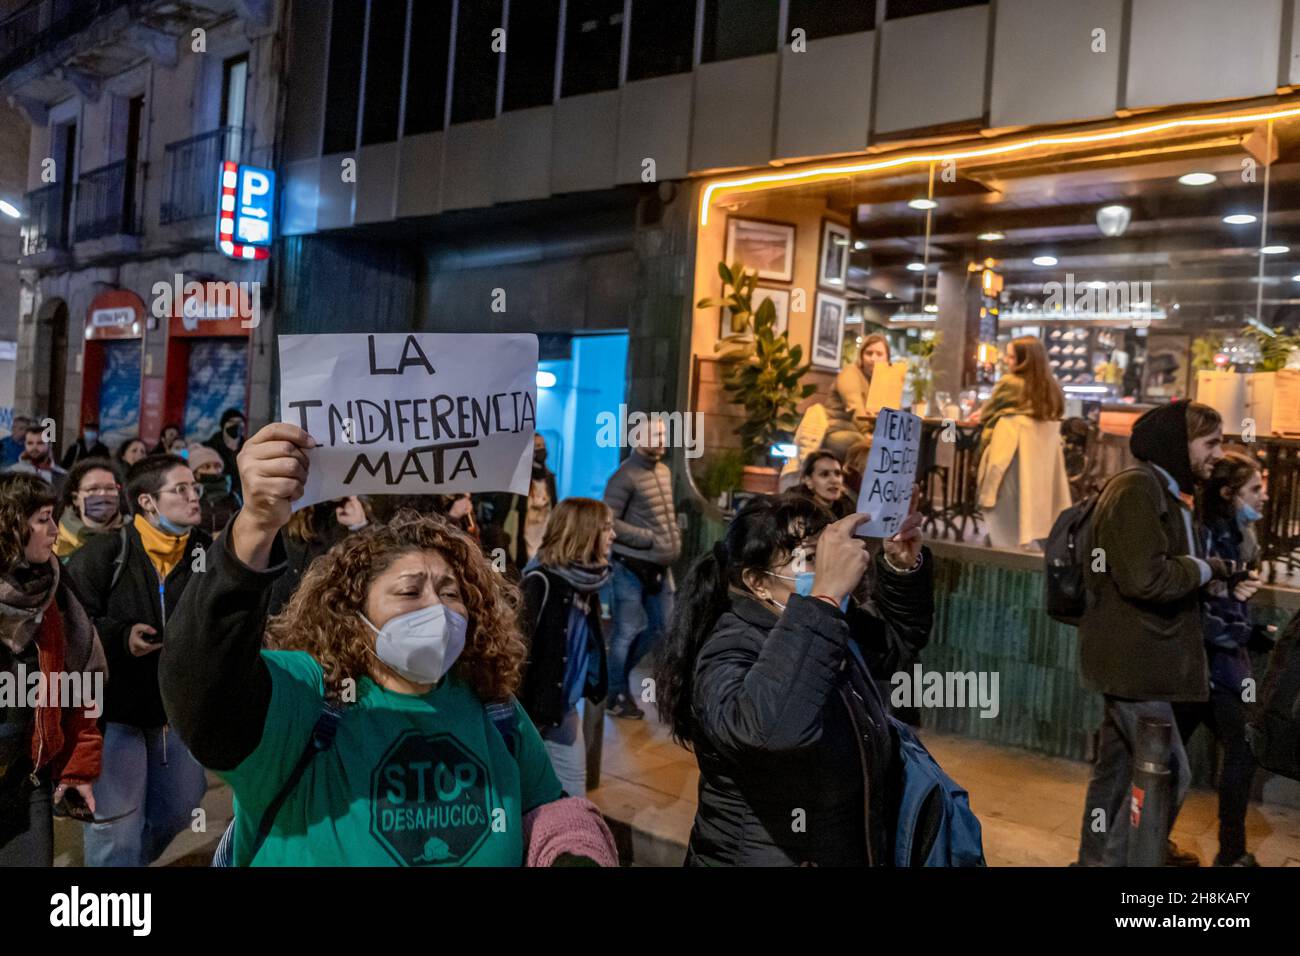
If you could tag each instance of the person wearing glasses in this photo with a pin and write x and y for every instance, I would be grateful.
(91, 505)
(150, 784)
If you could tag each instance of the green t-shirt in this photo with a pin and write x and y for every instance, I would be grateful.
(409, 781)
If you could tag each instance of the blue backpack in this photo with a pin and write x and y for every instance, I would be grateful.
(935, 824)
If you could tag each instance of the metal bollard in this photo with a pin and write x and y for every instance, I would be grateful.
(593, 733)
(1150, 795)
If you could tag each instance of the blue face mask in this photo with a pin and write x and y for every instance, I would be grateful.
(803, 584)
(170, 527)
(1247, 514)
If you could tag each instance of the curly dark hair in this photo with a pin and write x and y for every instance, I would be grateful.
(322, 617)
(21, 496)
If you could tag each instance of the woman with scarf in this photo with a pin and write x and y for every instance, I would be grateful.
(55, 747)
(91, 505)
(561, 621)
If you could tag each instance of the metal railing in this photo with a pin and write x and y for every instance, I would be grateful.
(46, 226)
(193, 166)
(102, 207)
(41, 24)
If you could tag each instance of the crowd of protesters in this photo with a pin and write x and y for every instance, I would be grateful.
(317, 659)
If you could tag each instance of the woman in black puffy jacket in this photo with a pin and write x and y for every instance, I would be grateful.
(767, 677)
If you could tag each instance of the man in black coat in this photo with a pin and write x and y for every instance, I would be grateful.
(226, 442)
(131, 581)
(87, 445)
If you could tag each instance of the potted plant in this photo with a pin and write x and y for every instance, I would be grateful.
(922, 376)
(761, 373)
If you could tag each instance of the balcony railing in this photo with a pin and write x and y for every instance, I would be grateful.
(41, 24)
(193, 168)
(103, 207)
(46, 227)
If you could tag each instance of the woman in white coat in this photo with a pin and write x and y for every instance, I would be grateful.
(1023, 484)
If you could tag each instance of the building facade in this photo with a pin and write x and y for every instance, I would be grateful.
(131, 316)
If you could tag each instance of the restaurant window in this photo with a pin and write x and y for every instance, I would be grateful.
(383, 71)
(532, 37)
(343, 82)
(829, 18)
(736, 28)
(474, 87)
(662, 39)
(593, 43)
(897, 9)
(426, 70)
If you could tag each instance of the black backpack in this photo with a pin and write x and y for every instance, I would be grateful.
(1066, 550)
(1065, 555)
(1274, 729)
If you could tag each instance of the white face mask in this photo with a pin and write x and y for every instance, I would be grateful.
(421, 645)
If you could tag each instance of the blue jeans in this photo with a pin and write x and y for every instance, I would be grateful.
(639, 622)
(1112, 776)
(146, 793)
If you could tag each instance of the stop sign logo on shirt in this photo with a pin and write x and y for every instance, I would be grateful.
(429, 801)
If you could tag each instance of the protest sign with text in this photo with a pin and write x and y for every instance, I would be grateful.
(398, 413)
(886, 491)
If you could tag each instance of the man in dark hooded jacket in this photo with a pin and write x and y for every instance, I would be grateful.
(1140, 641)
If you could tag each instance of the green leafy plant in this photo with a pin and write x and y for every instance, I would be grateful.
(922, 376)
(761, 369)
(1204, 348)
(722, 472)
(1275, 348)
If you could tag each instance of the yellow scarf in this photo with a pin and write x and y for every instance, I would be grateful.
(165, 551)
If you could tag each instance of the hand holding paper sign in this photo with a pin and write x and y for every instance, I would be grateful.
(841, 560)
(904, 548)
(887, 485)
(273, 469)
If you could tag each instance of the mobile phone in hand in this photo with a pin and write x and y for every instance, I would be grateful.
(73, 804)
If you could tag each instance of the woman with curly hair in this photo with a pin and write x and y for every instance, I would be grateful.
(49, 746)
(371, 732)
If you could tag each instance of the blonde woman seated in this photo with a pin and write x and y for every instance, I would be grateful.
(1023, 484)
(849, 425)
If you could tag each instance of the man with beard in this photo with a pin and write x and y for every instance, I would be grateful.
(37, 460)
(640, 496)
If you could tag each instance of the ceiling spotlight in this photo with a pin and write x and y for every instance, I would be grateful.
(1197, 179)
(859, 245)
(991, 236)
(9, 209)
(1239, 219)
(922, 203)
(1113, 220)
(916, 267)
(889, 295)
(1044, 260)
(1274, 250)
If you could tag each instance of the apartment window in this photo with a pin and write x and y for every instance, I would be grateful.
(474, 87)
(531, 41)
(736, 28)
(593, 43)
(426, 70)
(897, 9)
(384, 47)
(234, 89)
(830, 18)
(343, 82)
(662, 39)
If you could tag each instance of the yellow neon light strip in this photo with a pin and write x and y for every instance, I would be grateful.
(761, 180)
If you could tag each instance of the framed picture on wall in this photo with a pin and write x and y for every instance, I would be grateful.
(780, 301)
(828, 331)
(833, 263)
(767, 247)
